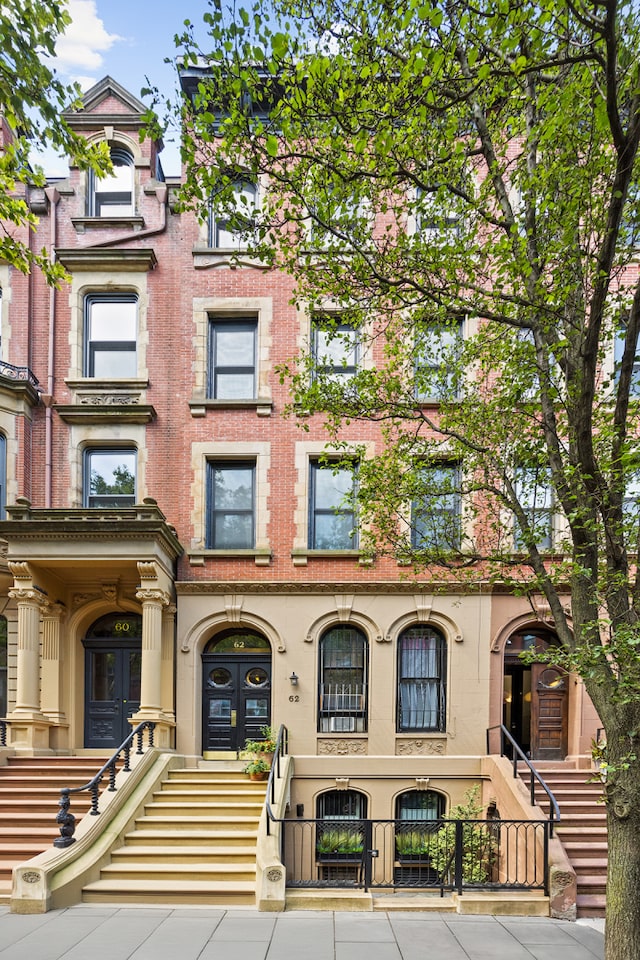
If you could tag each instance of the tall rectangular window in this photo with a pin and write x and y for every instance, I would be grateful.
(232, 228)
(110, 478)
(343, 681)
(230, 505)
(422, 673)
(232, 358)
(535, 495)
(335, 348)
(437, 354)
(435, 515)
(112, 196)
(332, 510)
(111, 323)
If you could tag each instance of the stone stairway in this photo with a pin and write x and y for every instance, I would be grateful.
(194, 844)
(29, 794)
(582, 830)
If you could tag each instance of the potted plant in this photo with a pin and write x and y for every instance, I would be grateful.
(337, 843)
(412, 845)
(258, 769)
(265, 747)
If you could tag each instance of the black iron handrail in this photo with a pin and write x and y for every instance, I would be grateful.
(4, 724)
(554, 809)
(65, 818)
(281, 750)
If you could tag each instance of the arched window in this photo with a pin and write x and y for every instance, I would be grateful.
(422, 679)
(343, 681)
(112, 196)
(340, 834)
(418, 816)
(3, 666)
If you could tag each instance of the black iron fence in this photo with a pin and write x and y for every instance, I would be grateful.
(438, 854)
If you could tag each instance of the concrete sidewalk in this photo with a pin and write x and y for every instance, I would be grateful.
(88, 932)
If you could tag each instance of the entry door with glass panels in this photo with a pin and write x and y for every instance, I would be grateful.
(236, 691)
(112, 679)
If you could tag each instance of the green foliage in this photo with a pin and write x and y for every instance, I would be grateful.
(478, 844)
(413, 843)
(427, 163)
(341, 841)
(265, 745)
(124, 482)
(257, 765)
(32, 99)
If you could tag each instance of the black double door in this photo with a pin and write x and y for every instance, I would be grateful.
(112, 690)
(236, 699)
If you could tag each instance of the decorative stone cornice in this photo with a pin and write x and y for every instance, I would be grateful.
(371, 587)
(107, 259)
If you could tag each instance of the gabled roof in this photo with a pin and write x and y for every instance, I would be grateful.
(98, 107)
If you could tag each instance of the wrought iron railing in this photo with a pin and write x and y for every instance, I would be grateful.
(534, 776)
(4, 726)
(437, 855)
(17, 373)
(281, 750)
(65, 819)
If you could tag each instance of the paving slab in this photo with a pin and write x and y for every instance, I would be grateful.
(118, 932)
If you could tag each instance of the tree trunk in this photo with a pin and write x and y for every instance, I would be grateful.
(622, 930)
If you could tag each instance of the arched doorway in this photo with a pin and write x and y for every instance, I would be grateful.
(236, 689)
(535, 702)
(113, 660)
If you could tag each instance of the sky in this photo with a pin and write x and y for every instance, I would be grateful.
(127, 39)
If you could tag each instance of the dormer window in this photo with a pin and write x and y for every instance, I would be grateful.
(112, 196)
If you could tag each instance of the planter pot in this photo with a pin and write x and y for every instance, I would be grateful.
(260, 775)
(355, 857)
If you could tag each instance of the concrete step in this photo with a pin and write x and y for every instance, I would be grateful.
(591, 904)
(191, 838)
(203, 809)
(202, 823)
(582, 848)
(212, 873)
(232, 892)
(195, 843)
(589, 865)
(137, 853)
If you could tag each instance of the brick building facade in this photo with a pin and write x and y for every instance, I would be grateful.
(166, 527)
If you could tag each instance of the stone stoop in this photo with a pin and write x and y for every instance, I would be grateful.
(29, 793)
(582, 830)
(194, 844)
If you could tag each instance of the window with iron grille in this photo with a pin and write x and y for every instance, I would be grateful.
(422, 679)
(343, 681)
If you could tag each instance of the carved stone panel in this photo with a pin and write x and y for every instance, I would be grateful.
(342, 747)
(421, 747)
